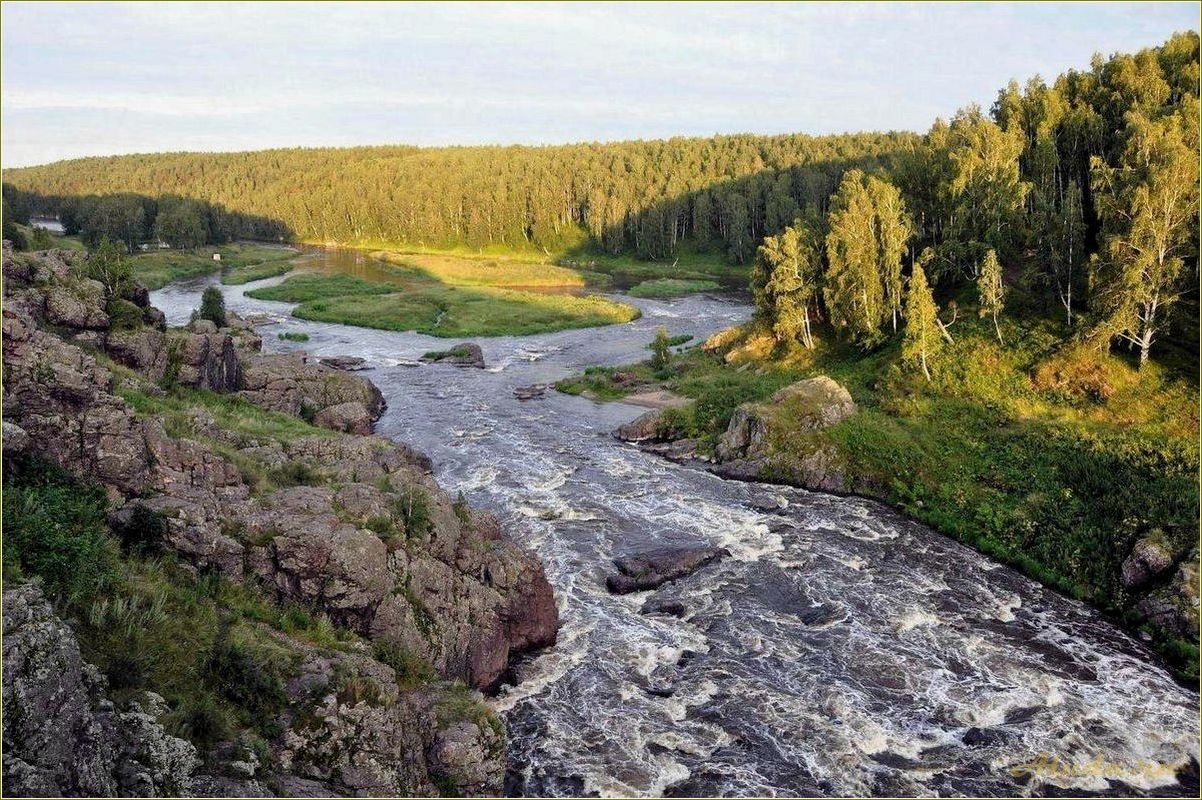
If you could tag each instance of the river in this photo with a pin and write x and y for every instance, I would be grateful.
(839, 650)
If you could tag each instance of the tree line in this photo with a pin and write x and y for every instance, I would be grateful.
(1087, 188)
(1084, 190)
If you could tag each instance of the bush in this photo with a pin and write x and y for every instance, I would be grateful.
(55, 528)
(294, 473)
(410, 667)
(123, 315)
(108, 265)
(212, 306)
(291, 336)
(144, 533)
(245, 678)
(412, 507)
(661, 352)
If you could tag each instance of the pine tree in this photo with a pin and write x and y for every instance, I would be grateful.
(991, 289)
(212, 306)
(922, 339)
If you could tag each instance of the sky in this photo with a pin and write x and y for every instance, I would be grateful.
(111, 78)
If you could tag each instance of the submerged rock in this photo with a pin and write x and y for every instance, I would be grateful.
(654, 568)
(533, 392)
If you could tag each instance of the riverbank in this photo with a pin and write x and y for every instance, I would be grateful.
(1057, 464)
(239, 263)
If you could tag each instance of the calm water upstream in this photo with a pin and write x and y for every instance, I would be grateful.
(840, 650)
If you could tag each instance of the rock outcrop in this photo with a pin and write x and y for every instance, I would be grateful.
(654, 568)
(352, 526)
(62, 735)
(467, 354)
(644, 428)
(754, 444)
(1150, 557)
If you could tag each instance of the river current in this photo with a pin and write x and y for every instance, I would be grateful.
(839, 650)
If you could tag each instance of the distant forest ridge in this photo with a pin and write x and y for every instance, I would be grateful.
(649, 199)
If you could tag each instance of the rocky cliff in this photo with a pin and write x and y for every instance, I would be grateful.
(352, 527)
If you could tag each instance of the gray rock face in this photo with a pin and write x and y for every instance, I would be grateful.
(15, 439)
(205, 360)
(79, 306)
(1149, 558)
(345, 363)
(61, 735)
(654, 568)
(350, 417)
(288, 383)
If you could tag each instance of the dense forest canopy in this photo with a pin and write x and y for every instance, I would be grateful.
(1084, 188)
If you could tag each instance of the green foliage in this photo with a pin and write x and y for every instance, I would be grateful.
(180, 223)
(295, 473)
(411, 668)
(412, 508)
(144, 533)
(787, 280)
(293, 336)
(55, 528)
(212, 306)
(923, 339)
(661, 350)
(671, 287)
(122, 314)
(108, 265)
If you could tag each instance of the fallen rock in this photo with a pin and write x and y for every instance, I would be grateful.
(656, 567)
(1150, 557)
(467, 354)
(345, 363)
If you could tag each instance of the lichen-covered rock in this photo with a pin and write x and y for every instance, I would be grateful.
(62, 736)
(466, 354)
(780, 439)
(15, 439)
(1150, 557)
(206, 360)
(288, 383)
(79, 305)
(142, 349)
(652, 569)
(1174, 606)
(644, 428)
(350, 417)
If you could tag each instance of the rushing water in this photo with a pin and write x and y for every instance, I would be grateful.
(839, 650)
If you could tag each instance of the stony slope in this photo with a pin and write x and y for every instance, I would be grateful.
(353, 527)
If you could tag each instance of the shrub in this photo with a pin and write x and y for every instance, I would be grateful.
(108, 265)
(410, 667)
(212, 306)
(123, 315)
(245, 678)
(292, 336)
(144, 532)
(661, 352)
(55, 528)
(412, 507)
(294, 473)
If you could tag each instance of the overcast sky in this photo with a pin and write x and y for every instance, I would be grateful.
(100, 78)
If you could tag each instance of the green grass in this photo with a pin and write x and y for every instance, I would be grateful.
(275, 262)
(671, 287)
(292, 336)
(691, 264)
(430, 307)
(468, 271)
(241, 417)
(310, 286)
(157, 268)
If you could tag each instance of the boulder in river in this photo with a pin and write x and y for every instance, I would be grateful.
(345, 363)
(644, 428)
(654, 568)
(466, 354)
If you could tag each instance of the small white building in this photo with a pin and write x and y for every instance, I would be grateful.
(217, 256)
